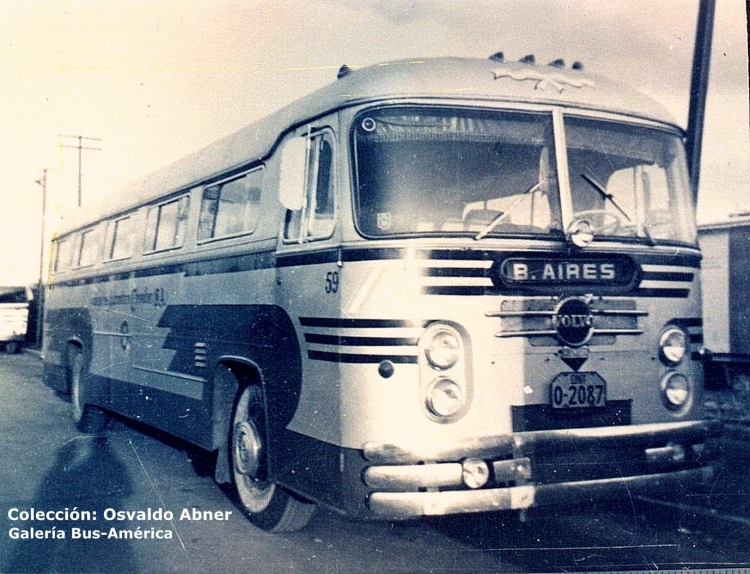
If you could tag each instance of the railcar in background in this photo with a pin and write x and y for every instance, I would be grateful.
(726, 316)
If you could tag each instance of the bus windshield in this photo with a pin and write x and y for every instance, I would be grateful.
(434, 171)
(629, 181)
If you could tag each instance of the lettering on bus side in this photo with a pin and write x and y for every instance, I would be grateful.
(157, 298)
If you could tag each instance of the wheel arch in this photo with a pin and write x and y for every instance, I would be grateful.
(225, 392)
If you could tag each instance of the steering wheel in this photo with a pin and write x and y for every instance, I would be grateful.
(609, 221)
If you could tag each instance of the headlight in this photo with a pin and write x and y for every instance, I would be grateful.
(677, 391)
(443, 348)
(672, 346)
(444, 398)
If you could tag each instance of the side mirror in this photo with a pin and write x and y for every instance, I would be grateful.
(292, 175)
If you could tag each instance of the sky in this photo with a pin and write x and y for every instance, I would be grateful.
(149, 81)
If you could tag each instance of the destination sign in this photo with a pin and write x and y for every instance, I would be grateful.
(536, 270)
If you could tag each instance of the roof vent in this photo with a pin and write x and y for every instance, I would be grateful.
(559, 63)
(497, 57)
(577, 66)
(343, 72)
(528, 59)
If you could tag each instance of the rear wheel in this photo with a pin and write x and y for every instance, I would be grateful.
(87, 418)
(267, 505)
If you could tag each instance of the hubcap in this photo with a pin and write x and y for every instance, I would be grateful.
(247, 447)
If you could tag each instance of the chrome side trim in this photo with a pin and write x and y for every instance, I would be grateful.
(552, 332)
(169, 374)
(551, 313)
(113, 334)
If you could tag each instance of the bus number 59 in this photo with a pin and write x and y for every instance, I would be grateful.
(332, 282)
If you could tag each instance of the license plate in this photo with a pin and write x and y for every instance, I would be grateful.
(578, 390)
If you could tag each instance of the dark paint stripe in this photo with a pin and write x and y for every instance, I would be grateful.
(667, 276)
(214, 266)
(454, 272)
(458, 290)
(269, 260)
(690, 322)
(340, 323)
(359, 341)
(682, 260)
(360, 359)
(665, 293)
(301, 259)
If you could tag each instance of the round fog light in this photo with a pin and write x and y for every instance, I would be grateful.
(475, 473)
(676, 391)
(444, 398)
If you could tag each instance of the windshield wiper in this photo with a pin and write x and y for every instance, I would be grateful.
(609, 197)
(603, 192)
(498, 219)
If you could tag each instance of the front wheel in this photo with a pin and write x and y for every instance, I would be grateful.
(267, 505)
(87, 418)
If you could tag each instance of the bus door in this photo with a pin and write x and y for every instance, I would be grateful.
(308, 276)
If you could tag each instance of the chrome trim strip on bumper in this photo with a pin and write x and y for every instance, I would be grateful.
(526, 443)
(412, 504)
(404, 481)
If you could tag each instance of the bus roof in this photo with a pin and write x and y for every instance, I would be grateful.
(469, 79)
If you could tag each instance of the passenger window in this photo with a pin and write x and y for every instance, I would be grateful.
(165, 225)
(316, 217)
(65, 250)
(120, 239)
(231, 207)
(91, 245)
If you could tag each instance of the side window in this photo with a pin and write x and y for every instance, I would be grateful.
(166, 223)
(120, 240)
(316, 217)
(231, 207)
(91, 245)
(65, 251)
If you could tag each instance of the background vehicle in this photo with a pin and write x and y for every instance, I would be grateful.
(726, 316)
(14, 315)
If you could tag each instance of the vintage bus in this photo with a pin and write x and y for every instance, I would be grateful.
(431, 287)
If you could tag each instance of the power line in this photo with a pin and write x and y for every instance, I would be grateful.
(80, 147)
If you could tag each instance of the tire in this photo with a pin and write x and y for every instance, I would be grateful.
(267, 505)
(87, 418)
(12, 347)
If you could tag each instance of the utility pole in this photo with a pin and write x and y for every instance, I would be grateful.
(80, 147)
(699, 90)
(42, 181)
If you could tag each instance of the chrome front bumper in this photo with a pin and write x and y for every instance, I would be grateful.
(409, 482)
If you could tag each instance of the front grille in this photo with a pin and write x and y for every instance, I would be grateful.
(544, 417)
(533, 318)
